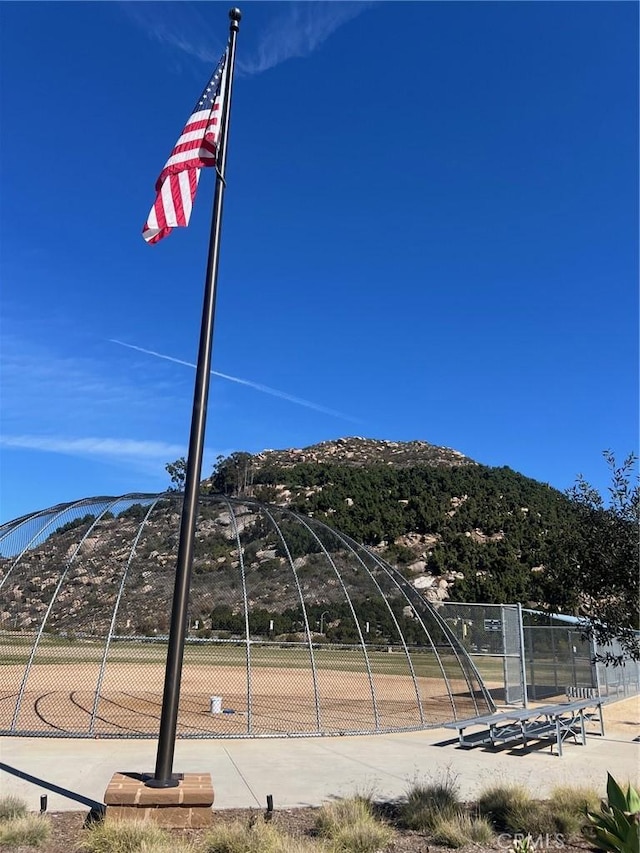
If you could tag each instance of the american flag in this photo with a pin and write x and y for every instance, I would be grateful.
(196, 147)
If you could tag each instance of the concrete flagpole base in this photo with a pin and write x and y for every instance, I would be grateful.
(186, 805)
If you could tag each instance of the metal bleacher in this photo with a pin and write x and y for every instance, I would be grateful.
(555, 723)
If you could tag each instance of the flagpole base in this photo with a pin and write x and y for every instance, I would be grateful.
(173, 782)
(186, 803)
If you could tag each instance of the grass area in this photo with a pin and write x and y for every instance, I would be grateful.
(27, 830)
(510, 808)
(497, 802)
(461, 829)
(577, 799)
(54, 651)
(570, 806)
(255, 838)
(351, 827)
(431, 815)
(426, 804)
(435, 809)
(111, 836)
(12, 807)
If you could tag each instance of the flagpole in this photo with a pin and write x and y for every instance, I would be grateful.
(163, 777)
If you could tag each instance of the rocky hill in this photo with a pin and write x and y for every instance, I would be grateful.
(358, 451)
(453, 527)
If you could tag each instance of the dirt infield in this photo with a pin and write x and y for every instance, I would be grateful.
(61, 699)
(622, 718)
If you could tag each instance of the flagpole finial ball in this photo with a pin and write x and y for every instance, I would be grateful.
(235, 14)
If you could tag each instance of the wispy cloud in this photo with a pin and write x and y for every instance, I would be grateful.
(143, 458)
(265, 389)
(181, 25)
(110, 448)
(297, 30)
(66, 394)
(57, 404)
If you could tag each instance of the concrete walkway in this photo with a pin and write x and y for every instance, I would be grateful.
(74, 773)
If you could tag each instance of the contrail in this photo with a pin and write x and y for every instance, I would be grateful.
(255, 385)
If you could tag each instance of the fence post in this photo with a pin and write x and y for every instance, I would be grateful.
(505, 669)
(531, 662)
(523, 660)
(595, 675)
(554, 655)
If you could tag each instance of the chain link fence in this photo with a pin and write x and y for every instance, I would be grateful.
(294, 629)
(491, 634)
(559, 658)
(523, 653)
(617, 681)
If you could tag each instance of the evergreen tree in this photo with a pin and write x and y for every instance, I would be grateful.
(594, 562)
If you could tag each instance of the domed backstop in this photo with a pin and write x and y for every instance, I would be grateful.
(294, 629)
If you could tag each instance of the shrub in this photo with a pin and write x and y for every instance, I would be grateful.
(334, 815)
(259, 838)
(427, 803)
(11, 807)
(497, 802)
(351, 826)
(27, 830)
(460, 829)
(510, 808)
(570, 806)
(128, 836)
(530, 818)
(362, 836)
(168, 845)
(577, 800)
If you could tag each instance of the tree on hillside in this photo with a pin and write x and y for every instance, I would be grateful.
(593, 564)
(233, 475)
(178, 472)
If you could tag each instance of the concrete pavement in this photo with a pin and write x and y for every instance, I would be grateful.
(74, 773)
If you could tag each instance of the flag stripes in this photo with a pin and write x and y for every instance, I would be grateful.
(196, 147)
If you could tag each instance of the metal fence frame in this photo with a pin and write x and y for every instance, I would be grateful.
(324, 694)
(540, 661)
(500, 626)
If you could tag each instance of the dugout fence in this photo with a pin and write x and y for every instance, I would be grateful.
(492, 636)
(526, 655)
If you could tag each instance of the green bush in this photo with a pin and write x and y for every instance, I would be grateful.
(12, 807)
(425, 804)
(498, 802)
(351, 826)
(577, 800)
(129, 836)
(461, 829)
(366, 835)
(530, 818)
(254, 838)
(568, 823)
(28, 830)
(570, 806)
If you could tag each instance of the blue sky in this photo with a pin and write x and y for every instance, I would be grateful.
(430, 232)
